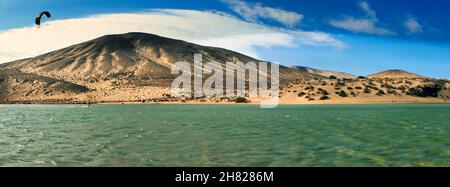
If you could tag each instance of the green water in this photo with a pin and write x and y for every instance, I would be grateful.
(225, 135)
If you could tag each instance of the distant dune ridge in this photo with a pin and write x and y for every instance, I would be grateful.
(135, 67)
(302, 69)
(396, 73)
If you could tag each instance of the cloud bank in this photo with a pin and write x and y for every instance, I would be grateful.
(254, 12)
(362, 25)
(202, 27)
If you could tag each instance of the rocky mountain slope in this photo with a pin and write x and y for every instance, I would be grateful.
(135, 67)
(132, 66)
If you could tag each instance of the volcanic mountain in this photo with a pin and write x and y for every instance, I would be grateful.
(136, 67)
(138, 54)
(112, 62)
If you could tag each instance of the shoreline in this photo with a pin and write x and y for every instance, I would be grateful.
(229, 103)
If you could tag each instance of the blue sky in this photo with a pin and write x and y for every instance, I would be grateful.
(354, 36)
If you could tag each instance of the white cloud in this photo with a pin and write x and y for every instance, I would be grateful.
(253, 12)
(318, 39)
(362, 25)
(413, 25)
(205, 28)
(243, 42)
(370, 13)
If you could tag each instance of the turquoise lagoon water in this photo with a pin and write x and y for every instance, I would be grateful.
(225, 135)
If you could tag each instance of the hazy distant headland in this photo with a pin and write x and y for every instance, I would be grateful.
(136, 67)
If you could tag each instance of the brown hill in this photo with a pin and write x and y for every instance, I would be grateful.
(18, 86)
(324, 73)
(137, 54)
(395, 74)
(135, 67)
(114, 63)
